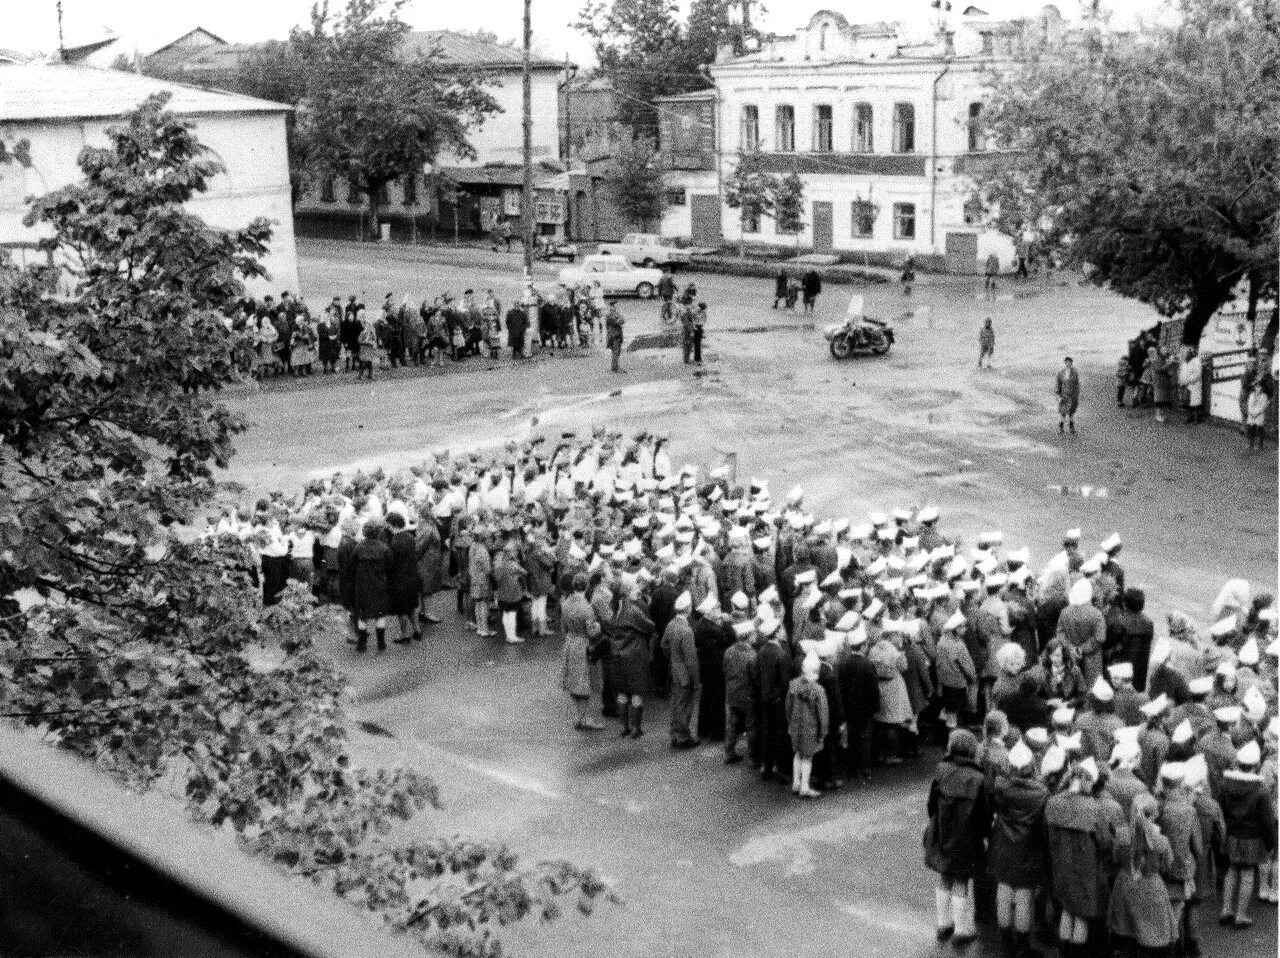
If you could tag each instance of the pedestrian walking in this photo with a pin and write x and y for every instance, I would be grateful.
(986, 343)
(687, 322)
(1068, 389)
(908, 275)
(699, 330)
(781, 286)
(811, 287)
(613, 323)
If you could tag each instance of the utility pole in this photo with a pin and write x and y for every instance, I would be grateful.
(526, 199)
(62, 53)
(568, 111)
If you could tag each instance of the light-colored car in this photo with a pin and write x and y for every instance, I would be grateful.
(616, 276)
(646, 249)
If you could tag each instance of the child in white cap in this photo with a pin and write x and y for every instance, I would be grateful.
(1251, 833)
(807, 724)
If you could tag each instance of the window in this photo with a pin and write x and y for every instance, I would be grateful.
(973, 211)
(750, 220)
(822, 129)
(977, 142)
(863, 138)
(904, 221)
(327, 194)
(384, 195)
(864, 219)
(822, 35)
(904, 128)
(410, 190)
(784, 130)
(677, 198)
(353, 192)
(749, 128)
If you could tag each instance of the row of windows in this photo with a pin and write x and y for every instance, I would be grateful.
(863, 221)
(863, 140)
(355, 197)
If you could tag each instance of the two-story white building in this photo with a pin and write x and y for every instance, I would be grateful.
(881, 129)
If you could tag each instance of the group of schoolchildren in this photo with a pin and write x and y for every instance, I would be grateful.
(1118, 779)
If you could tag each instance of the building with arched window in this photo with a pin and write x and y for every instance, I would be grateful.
(882, 127)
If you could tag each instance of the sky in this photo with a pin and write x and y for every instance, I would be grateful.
(148, 24)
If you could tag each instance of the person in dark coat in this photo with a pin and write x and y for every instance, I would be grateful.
(429, 548)
(1250, 817)
(517, 327)
(774, 673)
(370, 599)
(631, 641)
(959, 820)
(661, 610)
(686, 677)
(404, 588)
(780, 288)
(828, 764)
(711, 636)
(1018, 848)
(740, 684)
(860, 698)
(1138, 635)
(347, 569)
(1079, 844)
(811, 286)
(1024, 708)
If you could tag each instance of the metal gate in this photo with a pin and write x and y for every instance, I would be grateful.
(822, 227)
(704, 212)
(962, 254)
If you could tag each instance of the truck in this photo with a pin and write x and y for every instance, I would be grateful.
(646, 249)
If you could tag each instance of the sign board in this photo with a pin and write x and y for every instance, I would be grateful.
(549, 212)
(511, 202)
(1227, 332)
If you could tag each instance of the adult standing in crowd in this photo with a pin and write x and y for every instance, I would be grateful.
(1068, 390)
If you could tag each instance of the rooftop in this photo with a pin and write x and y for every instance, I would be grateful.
(470, 51)
(56, 91)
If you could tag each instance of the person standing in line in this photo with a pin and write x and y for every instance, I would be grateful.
(1068, 389)
(986, 343)
(699, 330)
(678, 643)
(480, 579)
(368, 349)
(613, 324)
(517, 327)
(991, 272)
(370, 578)
(404, 587)
(686, 333)
(808, 717)
(959, 821)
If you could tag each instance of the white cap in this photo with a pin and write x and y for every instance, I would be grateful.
(767, 626)
(1102, 691)
(1250, 754)
(1092, 565)
(740, 601)
(928, 514)
(1226, 668)
(858, 636)
(848, 622)
(1201, 686)
(1081, 593)
(684, 602)
(1073, 742)
(1195, 771)
(1071, 535)
(833, 579)
(997, 580)
(709, 604)
(1090, 768)
(762, 543)
(844, 555)
(1248, 654)
(1173, 772)
(1064, 715)
(743, 629)
(1020, 756)
(1020, 557)
(795, 496)
(861, 531)
(850, 593)
(807, 576)
(877, 567)
(823, 528)
(892, 585)
(878, 518)
(1183, 733)
(1223, 626)
(1156, 706)
(720, 472)
(957, 621)
(1111, 543)
(874, 609)
(1160, 652)
(991, 538)
(1055, 759)
(1228, 714)
(902, 515)
(768, 595)
(1121, 672)
(1255, 704)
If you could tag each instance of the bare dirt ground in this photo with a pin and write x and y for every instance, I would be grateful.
(710, 860)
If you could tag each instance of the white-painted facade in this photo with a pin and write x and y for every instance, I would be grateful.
(500, 138)
(863, 116)
(81, 103)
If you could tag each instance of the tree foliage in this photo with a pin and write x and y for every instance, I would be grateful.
(647, 52)
(1152, 162)
(639, 181)
(751, 189)
(140, 645)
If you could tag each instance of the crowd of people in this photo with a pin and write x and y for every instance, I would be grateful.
(1149, 376)
(1100, 783)
(349, 338)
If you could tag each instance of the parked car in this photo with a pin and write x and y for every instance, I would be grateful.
(646, 249)
(617, 277)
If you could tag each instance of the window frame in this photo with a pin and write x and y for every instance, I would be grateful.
(745, 143)
(859, 145)
(977, 138)
(902, 130)
(902, 217)
(854, 222)
(820, 126)
(785, 144)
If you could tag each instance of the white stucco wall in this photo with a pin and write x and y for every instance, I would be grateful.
(501, 137)
(256, 183)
